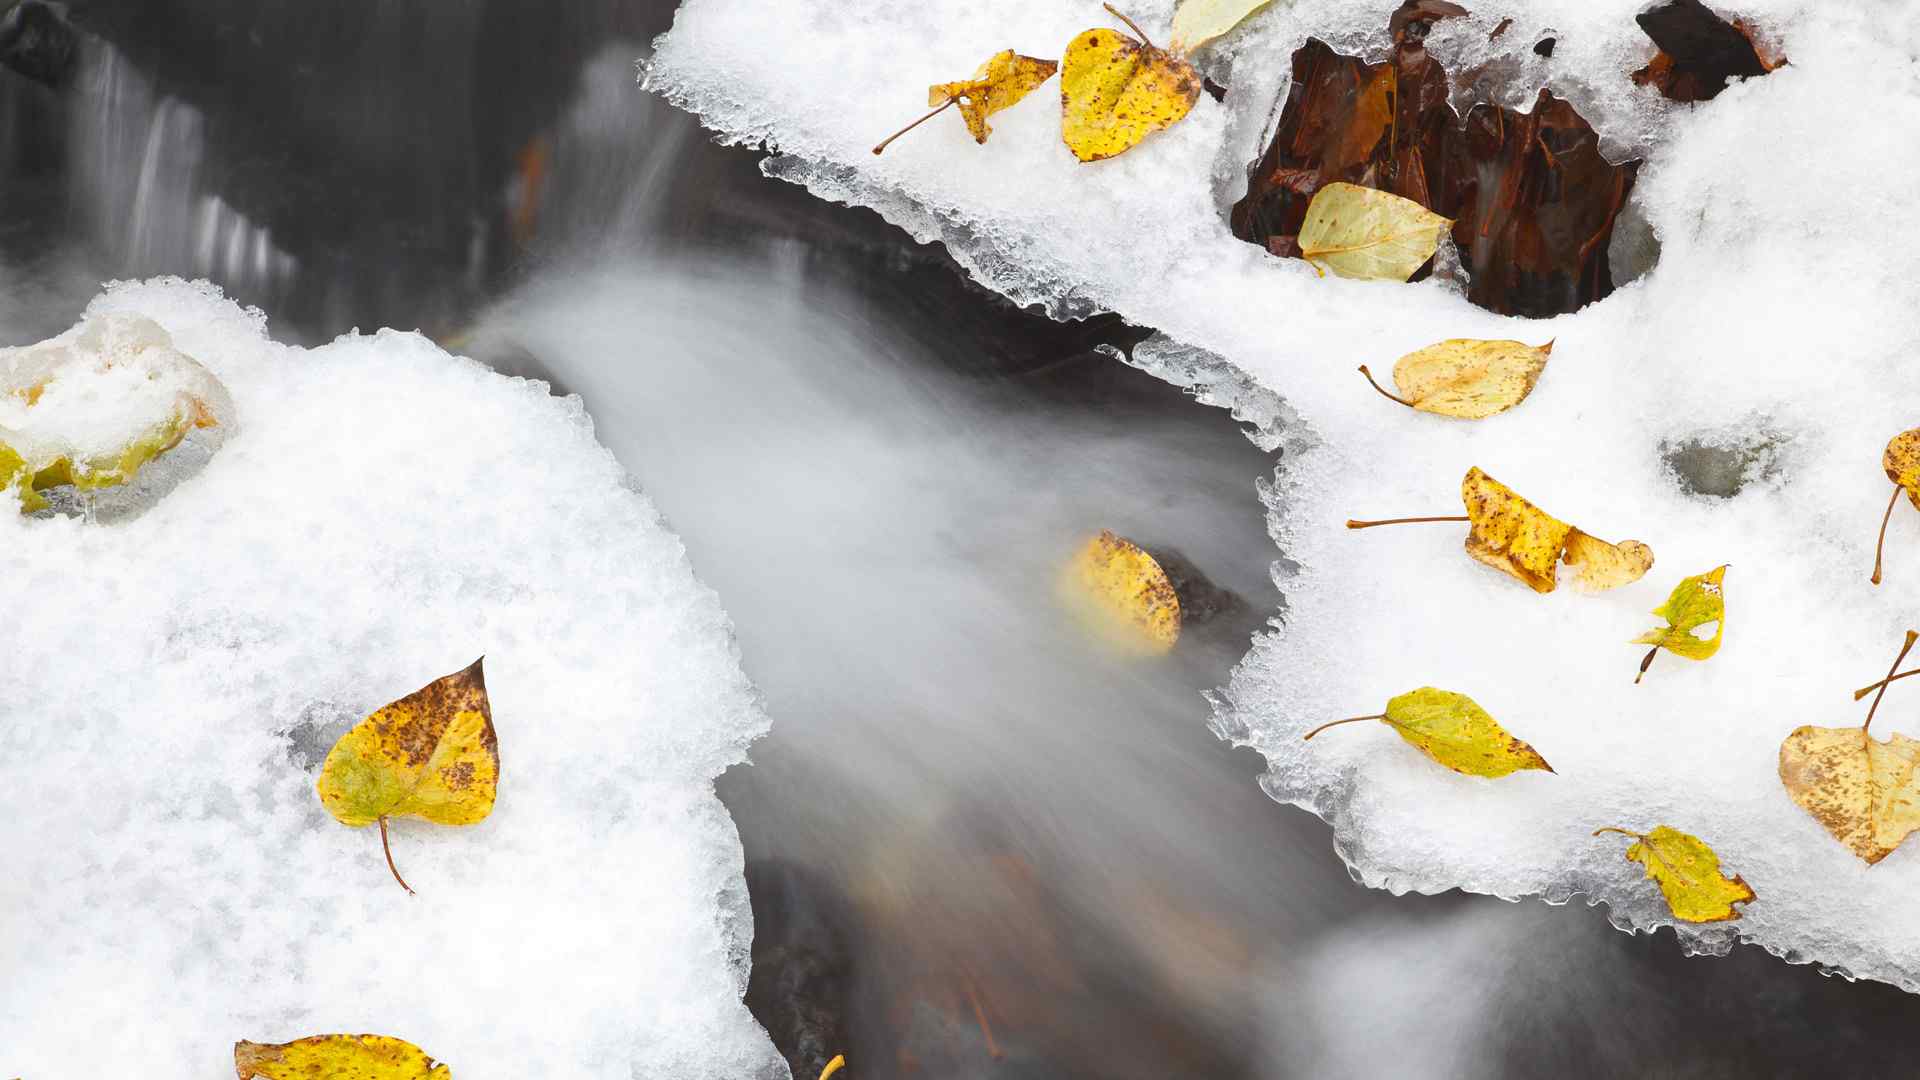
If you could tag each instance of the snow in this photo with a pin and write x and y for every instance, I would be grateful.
(1777, 317)
(383, 514)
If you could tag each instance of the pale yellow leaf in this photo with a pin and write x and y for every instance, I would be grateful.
(1359, 232)
(1199, 22)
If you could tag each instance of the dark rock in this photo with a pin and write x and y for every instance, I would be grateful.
(37, 41)
(1699, 51)
(1533, 201)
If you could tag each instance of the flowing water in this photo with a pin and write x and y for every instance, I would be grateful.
(978, 844)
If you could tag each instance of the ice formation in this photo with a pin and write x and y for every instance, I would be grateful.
(1773, 329)
(384, 514)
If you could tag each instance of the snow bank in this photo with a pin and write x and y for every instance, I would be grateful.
(1779, 319)
(384, 514)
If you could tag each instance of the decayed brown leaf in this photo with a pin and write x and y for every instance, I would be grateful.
(1863, 791)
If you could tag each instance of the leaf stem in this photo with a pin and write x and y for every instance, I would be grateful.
(1865, 690)
(1337, 723)
(1646, 663)
(1622, 832)
(1147, 41)
(1352, 524)
(1871, 709)
(384, 846)
(936, 112)
(1383, 393)
(1880, 545)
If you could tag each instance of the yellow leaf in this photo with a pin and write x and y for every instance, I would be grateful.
(1125, 594)
(1358, 232)
(1115, 91)
(1688, 873)
(1198, 22)
(1694, 603)
(1511, 534)
(336, 1057)
(431, 754)
(1004, 79)
(1454, 731)
(1860, 789)
(1599, 566)
(1469, 379)
(1901, 460)
(1516, 537)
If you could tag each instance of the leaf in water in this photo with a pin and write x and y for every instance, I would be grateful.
(1198, 22)
(1454, 731)
(1125, 594)
(336, 1057)
(1694, 603)
(1468, 378)
(1688, 873)
(1901, 460)
(1116, 91)
(431, 754)
(1370, 235)
(1863, 791)
(1000, 82)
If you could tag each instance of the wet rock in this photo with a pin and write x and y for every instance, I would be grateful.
(1533, 201)
(802, 983)
(1699, 51)
(37, 41)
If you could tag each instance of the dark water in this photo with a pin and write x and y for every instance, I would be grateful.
(976, 845)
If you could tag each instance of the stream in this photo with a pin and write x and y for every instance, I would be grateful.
(977, 844)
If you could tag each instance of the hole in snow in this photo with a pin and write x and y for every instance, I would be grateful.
(1724, 462)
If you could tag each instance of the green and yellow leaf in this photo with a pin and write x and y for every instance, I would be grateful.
(1116, 91)
(336, 1057)
(1688, 873)
(1453, 730)
(431, 754)
(1371, 235)
(1694, 603)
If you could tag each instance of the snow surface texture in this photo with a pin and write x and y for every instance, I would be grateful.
(1780, 316)
(384, 514)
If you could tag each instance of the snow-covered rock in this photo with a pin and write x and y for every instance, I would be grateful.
(384, 513)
